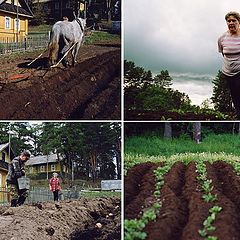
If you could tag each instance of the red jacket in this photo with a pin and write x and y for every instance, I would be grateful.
(54, 184)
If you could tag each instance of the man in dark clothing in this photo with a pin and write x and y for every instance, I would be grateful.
(15, 171)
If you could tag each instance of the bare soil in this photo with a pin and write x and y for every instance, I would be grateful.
(183, 209)
(90, 90)
(75, 220)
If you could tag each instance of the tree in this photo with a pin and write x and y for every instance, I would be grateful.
(197, 132)
(167, 130)
(163, 79)
(221, 94)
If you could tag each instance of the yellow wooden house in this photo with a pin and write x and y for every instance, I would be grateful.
(14, 17)
(44, 164)
(4, 160)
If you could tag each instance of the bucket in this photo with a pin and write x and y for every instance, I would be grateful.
(23, 183)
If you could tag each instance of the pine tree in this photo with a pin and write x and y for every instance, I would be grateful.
(163, 79)
(221, 94)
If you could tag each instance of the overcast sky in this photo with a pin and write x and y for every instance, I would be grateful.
(180, 36)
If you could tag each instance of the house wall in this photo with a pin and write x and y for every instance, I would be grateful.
(10, 34)
(43, 168)
(3, 172)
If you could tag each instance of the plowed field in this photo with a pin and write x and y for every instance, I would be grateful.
(90, 90)
(75, 220)
(183, 209)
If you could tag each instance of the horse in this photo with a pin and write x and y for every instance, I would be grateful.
(66, 35)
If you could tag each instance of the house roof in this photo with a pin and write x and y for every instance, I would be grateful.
(42, 160)
(24, 10)
(3, 146)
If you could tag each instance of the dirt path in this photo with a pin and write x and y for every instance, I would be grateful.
(75, 220)
(90, 90)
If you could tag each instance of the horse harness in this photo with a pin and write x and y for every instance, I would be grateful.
(80, 24)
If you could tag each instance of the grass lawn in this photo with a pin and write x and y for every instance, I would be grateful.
(155, 149)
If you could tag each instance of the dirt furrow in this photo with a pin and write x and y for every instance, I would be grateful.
(173, 213)
(145, 186)
(226, 186)
(198, 209)
(60, 95)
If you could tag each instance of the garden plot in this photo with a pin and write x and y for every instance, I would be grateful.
(74, 220)
(90, 90)
(183, 201)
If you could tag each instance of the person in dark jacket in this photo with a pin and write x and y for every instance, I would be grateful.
(16, 169)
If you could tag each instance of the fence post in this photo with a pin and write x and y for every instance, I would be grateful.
(25, 43)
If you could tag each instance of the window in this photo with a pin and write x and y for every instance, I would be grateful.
(57, 5)
(7, 22)
(17, 24)
(53, 167)
(31, 169)
(42, 168)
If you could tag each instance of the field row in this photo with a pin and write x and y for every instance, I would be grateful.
(191, 205)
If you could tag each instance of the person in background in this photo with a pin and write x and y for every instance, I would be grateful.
(16, 169)
(54, 186)
(65, 18)
(229, 46)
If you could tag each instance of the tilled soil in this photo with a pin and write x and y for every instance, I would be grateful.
(183, 210)
(90, 90)
(75, 220)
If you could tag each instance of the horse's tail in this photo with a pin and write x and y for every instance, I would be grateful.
(53, 47)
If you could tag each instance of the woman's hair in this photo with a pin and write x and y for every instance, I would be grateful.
(55, 174)
(234, 14)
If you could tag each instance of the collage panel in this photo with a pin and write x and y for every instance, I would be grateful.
(60, 180)
(181, 180)
(181, 60)
(60, 60)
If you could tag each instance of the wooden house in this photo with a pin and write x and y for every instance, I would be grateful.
(44, 164)
(14, 17)
(4, 160)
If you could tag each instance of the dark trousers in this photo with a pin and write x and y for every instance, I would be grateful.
(55, 195)
(234, 86)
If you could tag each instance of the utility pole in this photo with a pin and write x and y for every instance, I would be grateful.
(9, 142)
(72, 172)
(17, 21)
(47, 166)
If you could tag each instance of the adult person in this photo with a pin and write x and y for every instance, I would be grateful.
(229, 46)
(54, 186)
(65, 18)
(16, 170)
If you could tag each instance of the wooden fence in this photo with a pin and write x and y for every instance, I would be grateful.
(34, 41)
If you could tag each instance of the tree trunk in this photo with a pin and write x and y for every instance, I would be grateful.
(167, 130)
(197, 132)
(118, 159)
(93, 161)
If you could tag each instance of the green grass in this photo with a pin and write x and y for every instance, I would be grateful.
(156, 149)
(100, 194)
(101, 37)
(39, 29)
(155, 146)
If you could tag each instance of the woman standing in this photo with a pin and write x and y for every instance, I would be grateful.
(229, 46)
(54, 185)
